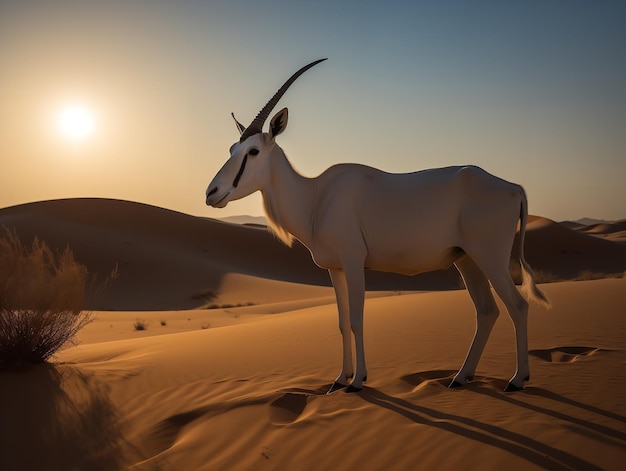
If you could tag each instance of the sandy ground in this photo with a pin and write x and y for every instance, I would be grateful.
(243, 387)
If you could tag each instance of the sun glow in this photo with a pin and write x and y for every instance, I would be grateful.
(76, 122)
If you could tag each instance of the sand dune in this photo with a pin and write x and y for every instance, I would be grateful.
(615, 231)
(241, 385)
(250, 395)
(558, 253)
(165, 259)
(605, 228)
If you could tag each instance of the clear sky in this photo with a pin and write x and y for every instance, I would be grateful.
(532, 91)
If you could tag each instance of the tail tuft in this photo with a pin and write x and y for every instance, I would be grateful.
(530, 289)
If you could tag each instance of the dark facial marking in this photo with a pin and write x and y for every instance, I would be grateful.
(243, 166)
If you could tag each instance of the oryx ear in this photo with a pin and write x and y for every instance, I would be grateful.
(279, 122)
(240, 127)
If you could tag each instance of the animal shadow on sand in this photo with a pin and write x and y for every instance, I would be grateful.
(57, 417)
(543, 393)
(533, 451)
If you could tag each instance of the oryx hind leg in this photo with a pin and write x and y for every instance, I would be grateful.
(496, 268)
(486, 315)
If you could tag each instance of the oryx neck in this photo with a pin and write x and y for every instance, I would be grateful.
(287, 200)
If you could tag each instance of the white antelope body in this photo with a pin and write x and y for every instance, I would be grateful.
(353, 217)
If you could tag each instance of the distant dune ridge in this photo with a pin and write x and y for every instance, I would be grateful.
(242, 343)
(170, 260)
(244, 219)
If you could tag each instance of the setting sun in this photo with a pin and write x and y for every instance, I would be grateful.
(76, 122)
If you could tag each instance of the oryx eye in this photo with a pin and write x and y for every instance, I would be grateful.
(253, 152)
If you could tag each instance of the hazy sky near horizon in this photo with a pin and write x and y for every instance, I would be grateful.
(533, 91)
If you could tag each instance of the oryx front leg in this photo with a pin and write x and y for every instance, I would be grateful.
(341, 293)
(355, 280)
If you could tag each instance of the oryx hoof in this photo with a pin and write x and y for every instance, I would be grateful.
(353, 389)
(512, 388)
(455, 384)
(336, 387)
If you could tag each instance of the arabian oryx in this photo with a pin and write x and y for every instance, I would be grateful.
(353, 217)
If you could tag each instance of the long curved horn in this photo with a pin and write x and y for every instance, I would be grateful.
(257, 125)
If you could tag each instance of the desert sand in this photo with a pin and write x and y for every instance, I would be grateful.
(242, 344)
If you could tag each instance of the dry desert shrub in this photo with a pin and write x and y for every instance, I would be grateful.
(42, 295)
(141, 324)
